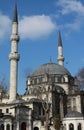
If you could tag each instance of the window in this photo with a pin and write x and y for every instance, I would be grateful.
(71, 127)
(40, 111)
(7, 110)
(63, 79)
(74, 104)
(2, 126)
(43, 111)
(69, 104)
(8, 127)
(35, 81)
(59, 79)
(74, 101)
(40, 79)
(79, 126)
(12, 127)
(0, 110)
(23, 126)
(43, 79)
(55, 79)
(52, 79)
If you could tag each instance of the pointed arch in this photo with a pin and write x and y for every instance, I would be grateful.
(23, 126)
(71, 126)
(2, 127)
(79, 126)
(8, 127)
(12, 127)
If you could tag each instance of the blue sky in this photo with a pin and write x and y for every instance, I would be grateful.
(39, 22)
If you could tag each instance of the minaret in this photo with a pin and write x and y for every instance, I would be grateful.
(60, 50)
(14, 57)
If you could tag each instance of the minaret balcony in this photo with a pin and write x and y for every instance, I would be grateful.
(60, 58)
(14, 56)
(14, 37)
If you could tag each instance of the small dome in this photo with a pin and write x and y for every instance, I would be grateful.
(35, 100)
(51, 68)
(73, 114)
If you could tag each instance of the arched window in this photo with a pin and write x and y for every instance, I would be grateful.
(52, 79)
(2, 127)
(35, 81)
(71, 127)
(63, 79)
(36, 128)
(56, 79)
(8, 127)
(59, 79)
(23, 126)
(79, 126)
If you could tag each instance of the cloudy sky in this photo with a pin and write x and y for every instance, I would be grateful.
(39, 22)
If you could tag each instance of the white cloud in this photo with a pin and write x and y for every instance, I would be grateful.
(5, 27)
(34, 27)
(73, 13)
(68, 6)
(76, 25)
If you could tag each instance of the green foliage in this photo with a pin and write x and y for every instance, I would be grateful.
(56, 123)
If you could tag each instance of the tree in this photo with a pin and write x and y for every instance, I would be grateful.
(56, 123)
(43, 95)
(3, 86)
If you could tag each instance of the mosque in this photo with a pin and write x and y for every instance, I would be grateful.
(52, 100)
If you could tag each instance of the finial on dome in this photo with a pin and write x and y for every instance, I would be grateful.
(50, 60)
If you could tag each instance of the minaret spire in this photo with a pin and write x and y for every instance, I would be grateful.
(59, 39)
(14, 57)
(15, 18)
(60, 50)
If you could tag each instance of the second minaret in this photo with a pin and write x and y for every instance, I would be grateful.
(60, 51)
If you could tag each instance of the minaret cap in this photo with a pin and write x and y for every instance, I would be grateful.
(59, 39)
(15, 19)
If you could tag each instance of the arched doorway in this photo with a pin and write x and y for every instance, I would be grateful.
(8, 127)
(71, 127)
(36, 128)
(23, 126)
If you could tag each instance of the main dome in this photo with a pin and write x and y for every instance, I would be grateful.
(51, 68)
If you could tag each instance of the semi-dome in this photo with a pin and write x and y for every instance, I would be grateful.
(73, 114)
(51, 68)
